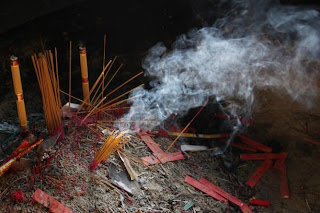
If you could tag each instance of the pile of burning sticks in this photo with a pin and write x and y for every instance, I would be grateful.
(95, 103)
(94, 112)
(113, 143)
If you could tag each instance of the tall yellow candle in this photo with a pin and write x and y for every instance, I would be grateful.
(15, 70)
(84, 73)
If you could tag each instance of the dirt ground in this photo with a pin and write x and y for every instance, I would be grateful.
(278, 122)
(160, 188)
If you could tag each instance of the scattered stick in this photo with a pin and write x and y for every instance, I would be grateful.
(116, 89)
(104, 59)
(93, 87)
(95, 97)
(57, 74)
(75, 98)
(120, 96)
(70, 52)
(184, 129)
(90, 113)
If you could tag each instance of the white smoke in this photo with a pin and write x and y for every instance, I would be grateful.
(260, 46)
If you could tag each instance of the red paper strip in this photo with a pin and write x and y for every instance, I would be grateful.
(254, 144)
(204, 189)
(284, 187)
(150, 160)
(170, 157)
(243, 147)
(243, 206)
(278, 163)
(153, 146)
(49, 202)
(259, 202)
(159, 158)
(159, 155)
(259, 173)
(263, 156)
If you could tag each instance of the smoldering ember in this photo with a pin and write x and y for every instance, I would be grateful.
(160, 106)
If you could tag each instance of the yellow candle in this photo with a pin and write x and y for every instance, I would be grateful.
(84, 73)
(15, 70)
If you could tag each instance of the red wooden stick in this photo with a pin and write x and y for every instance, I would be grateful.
(259, 202)
(254, 144)
(243, 206)
(159, 155)
(284, 187)
(263, 156)
(49, 202)
(204, 189)
(259, 173)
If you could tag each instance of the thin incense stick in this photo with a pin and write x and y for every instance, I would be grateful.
(104, 50)
(92, 110)
(96, 100)
(102, 84)
(115, 104)
(103, 63)
(109, 102)
(46, 76)
(119, 68)
(132, 78)
(57, 74)
(93, 87)
(184, 129)
(75, 98)
(70, 52)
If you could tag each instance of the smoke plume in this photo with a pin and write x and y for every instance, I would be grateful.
(258, 46)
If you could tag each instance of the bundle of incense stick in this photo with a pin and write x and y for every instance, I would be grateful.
(47, 75)
(113, 142)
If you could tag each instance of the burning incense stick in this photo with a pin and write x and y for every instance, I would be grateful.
(206, 136)
(115, 104)
(109, 102)
(104, 50)
(114, 141)
(125, 83)
(57, 74)
(94, 86)
(102, 84)
(48, 83)
(90, 113)
(104, 106)
(102, 92)
(75, 98)
(103, 63)
(121, 65)
(97, 108)
(184, 129)
(70, 52)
